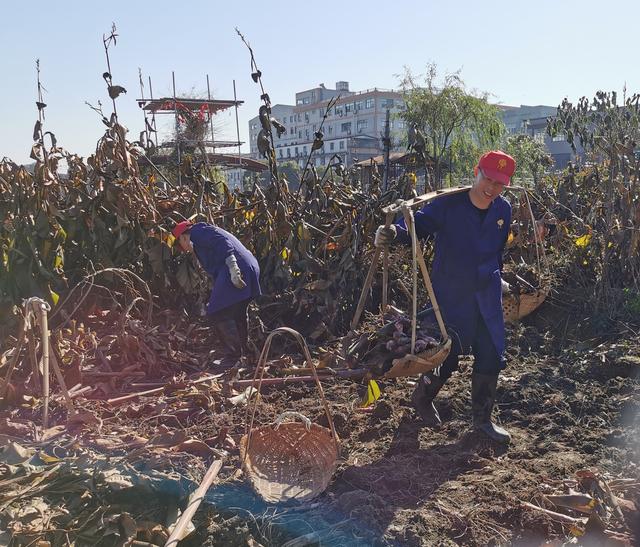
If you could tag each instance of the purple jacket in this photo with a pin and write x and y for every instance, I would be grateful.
(467, 264)
(212, 246)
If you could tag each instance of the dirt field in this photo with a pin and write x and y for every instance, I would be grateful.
(570, 405)
(399, 483)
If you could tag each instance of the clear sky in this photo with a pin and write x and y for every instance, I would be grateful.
(533, 52)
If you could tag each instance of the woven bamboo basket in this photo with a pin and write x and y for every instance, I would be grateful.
(289, 460)
(413, 365)
(515, 307)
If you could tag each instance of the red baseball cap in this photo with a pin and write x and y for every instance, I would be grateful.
(497, 166)
(181, 228)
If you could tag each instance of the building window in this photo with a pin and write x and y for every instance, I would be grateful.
(538, 136)
(369, 103)
(330, 129)
(358, 105)
(304, 150)
(559, 138)
(341, 145)
(290, 119)
(346, 127)
(386, 103)
(296, 151)
(348, 107)
(306, 100)
(291, 131)
(288, 152)
(338, 111)
(299, 134)
(362, 125)
(280, 152)
(331, 146)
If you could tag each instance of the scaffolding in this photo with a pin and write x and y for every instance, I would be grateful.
(197, 110)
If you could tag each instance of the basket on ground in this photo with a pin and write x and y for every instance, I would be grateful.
(289, 460)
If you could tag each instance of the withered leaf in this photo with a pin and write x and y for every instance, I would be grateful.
(37, 130)
(116, 90)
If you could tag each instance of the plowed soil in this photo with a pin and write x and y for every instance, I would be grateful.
(569, 406)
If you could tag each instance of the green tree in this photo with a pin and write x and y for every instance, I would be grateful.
(531, 156)
(457, 124)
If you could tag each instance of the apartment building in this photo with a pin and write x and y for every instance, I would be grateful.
(532, 121)
(352, 127)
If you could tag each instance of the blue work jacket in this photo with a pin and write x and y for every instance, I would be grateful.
(212, 246)
(467, 264)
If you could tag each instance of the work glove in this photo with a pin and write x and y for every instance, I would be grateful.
(506, 288)
(234, 272)
(384, 235)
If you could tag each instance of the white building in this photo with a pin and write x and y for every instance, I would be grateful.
(352, 130)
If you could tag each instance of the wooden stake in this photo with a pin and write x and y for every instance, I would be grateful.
(408, 219)
(355, 374)
(556, 516)
(385, 269)
(365, 288)
(369, 280)
(131, 396)
(16, 356)
(60, 377)
(33, 358)
(432, 295)
(44, 326)
(194, 502)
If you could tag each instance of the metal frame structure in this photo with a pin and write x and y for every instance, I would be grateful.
(208, 145)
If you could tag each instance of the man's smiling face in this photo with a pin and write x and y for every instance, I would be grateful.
(485, 190)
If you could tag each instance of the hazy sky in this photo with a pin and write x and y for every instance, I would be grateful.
(521, 52)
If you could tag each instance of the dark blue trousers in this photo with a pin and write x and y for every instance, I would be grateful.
(485, 357)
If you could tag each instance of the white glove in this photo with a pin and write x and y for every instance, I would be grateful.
(384, 235)
(234, 272)
(506, 288)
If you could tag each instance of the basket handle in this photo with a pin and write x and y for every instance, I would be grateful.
(259, 374)
(292, 414)
(538, 244)
(540, 252)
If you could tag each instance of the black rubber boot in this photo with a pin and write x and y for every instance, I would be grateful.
(422, 398)
(483, 396)
(242, 324)
(230, 341)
